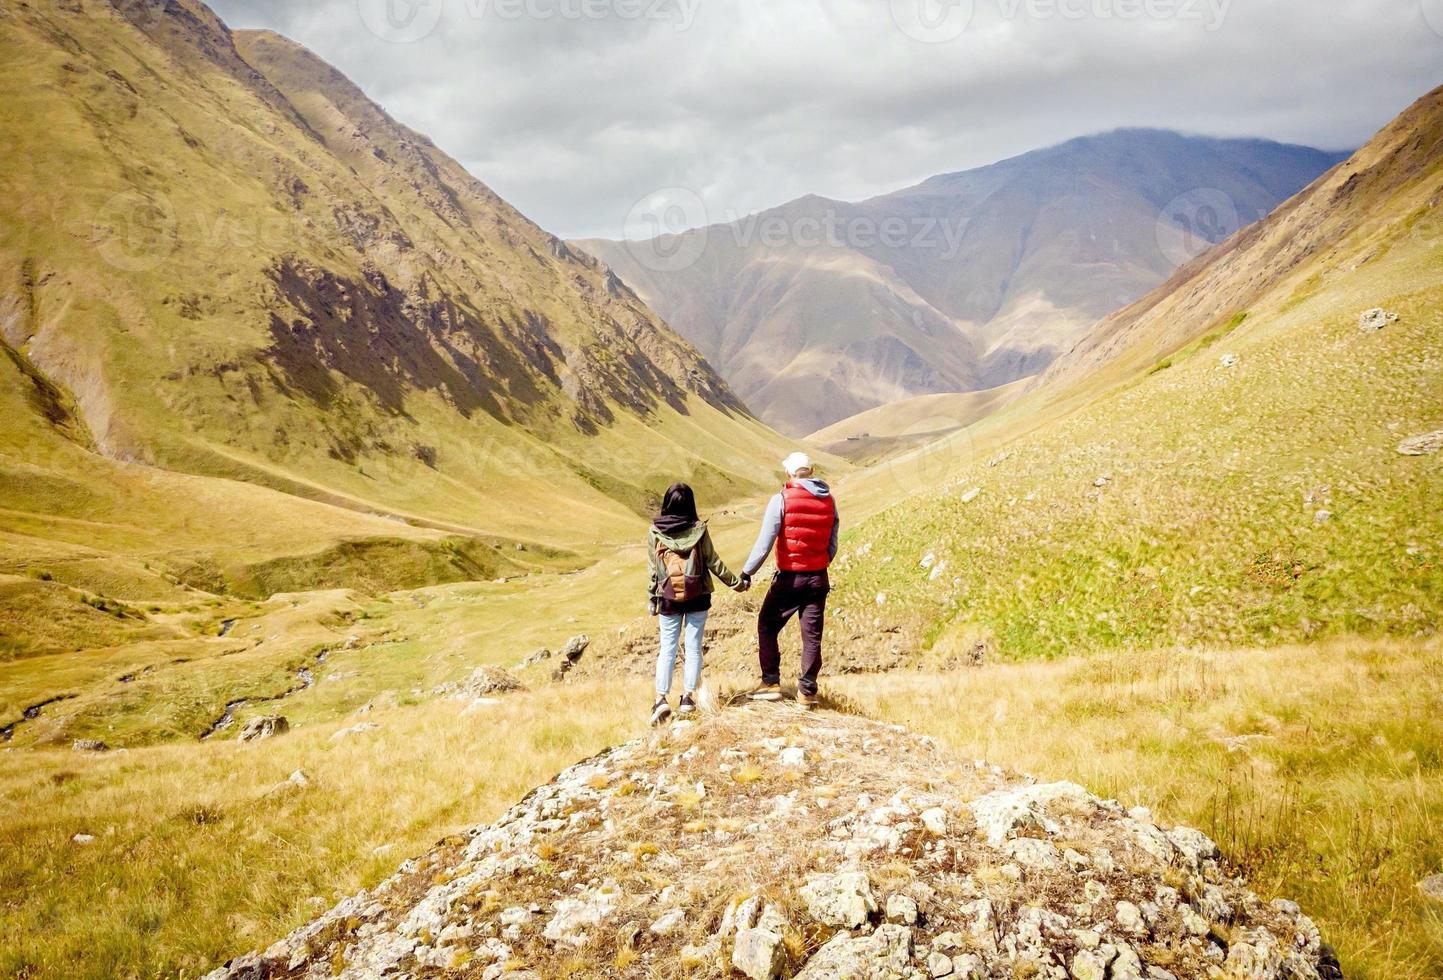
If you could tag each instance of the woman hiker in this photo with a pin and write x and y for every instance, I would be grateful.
(682, 563)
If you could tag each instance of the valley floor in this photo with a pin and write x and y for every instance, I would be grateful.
(1316, 768)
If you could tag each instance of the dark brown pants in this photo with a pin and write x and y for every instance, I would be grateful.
(802, 594)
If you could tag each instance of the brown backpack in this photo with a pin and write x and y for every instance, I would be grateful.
(681, 574)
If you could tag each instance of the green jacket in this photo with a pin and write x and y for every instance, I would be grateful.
(694, 538)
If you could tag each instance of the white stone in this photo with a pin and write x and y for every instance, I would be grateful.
(843, 900)
(669, 922)
(901, 908)
(935, 820)
(1006, 813)
(794, 756)
(1129, 918)
(885, 953)
(968, 966)
(758, 953)
(1032, 853)
(1091, 964)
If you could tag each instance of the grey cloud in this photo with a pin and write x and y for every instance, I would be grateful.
(574, 119)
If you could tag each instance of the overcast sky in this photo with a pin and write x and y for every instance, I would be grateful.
(581, 112)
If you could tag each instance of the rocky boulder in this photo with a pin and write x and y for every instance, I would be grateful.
(1424, 445)
(570, 654)
(483, 681)
(264, 726)
(1376, 319)
(697, 851)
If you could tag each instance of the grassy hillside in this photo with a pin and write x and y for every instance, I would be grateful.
(1240, 483)
(264, 338)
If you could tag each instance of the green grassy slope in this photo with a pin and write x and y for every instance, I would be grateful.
(262, 337)
(1162, 497)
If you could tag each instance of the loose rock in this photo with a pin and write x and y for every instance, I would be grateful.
(266, 726)
(1376, 319)
(1424, 445)
(884, 955)
(1432, 887)
(842, 900)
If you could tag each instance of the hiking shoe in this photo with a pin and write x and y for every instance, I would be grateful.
(687, 706)
(660, 711)
(767, 692)
(806, 701)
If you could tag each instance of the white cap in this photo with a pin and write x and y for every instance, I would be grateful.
(796, 462)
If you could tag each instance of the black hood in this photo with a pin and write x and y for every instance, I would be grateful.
(678, 510)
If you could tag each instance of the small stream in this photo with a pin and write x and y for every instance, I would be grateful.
(305, 677)
(30, 714)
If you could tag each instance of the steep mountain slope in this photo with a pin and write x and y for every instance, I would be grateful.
(1383, 198)
(820, 309)
(1225, 461)
(218, 258)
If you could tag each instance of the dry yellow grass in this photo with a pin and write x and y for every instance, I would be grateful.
(199, 855)
(1315, 767)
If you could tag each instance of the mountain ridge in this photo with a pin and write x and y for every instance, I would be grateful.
(987, 275)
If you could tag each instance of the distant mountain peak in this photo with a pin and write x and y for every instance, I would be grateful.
(818, 309)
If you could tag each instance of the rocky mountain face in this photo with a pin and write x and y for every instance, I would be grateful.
(249, 269)
(219, 259)
(820, 309)
(765, 843)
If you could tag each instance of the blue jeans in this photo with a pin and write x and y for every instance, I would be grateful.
(671, 630)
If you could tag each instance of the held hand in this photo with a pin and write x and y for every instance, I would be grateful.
(745, 584)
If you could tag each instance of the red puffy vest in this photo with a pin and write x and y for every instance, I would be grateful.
(806, 536)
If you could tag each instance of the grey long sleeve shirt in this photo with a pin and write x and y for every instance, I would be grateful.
(772, 528)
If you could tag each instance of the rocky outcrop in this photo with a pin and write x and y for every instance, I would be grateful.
(1376, 319)
(570, 655)
(483, 681)
(697, 851)
(1424, 445)
(264, 726)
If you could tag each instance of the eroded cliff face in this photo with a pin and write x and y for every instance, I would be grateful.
(764, 842)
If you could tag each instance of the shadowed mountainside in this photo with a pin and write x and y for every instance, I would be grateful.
(255, 293)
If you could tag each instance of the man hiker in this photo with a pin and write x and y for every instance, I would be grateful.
(802, 522)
